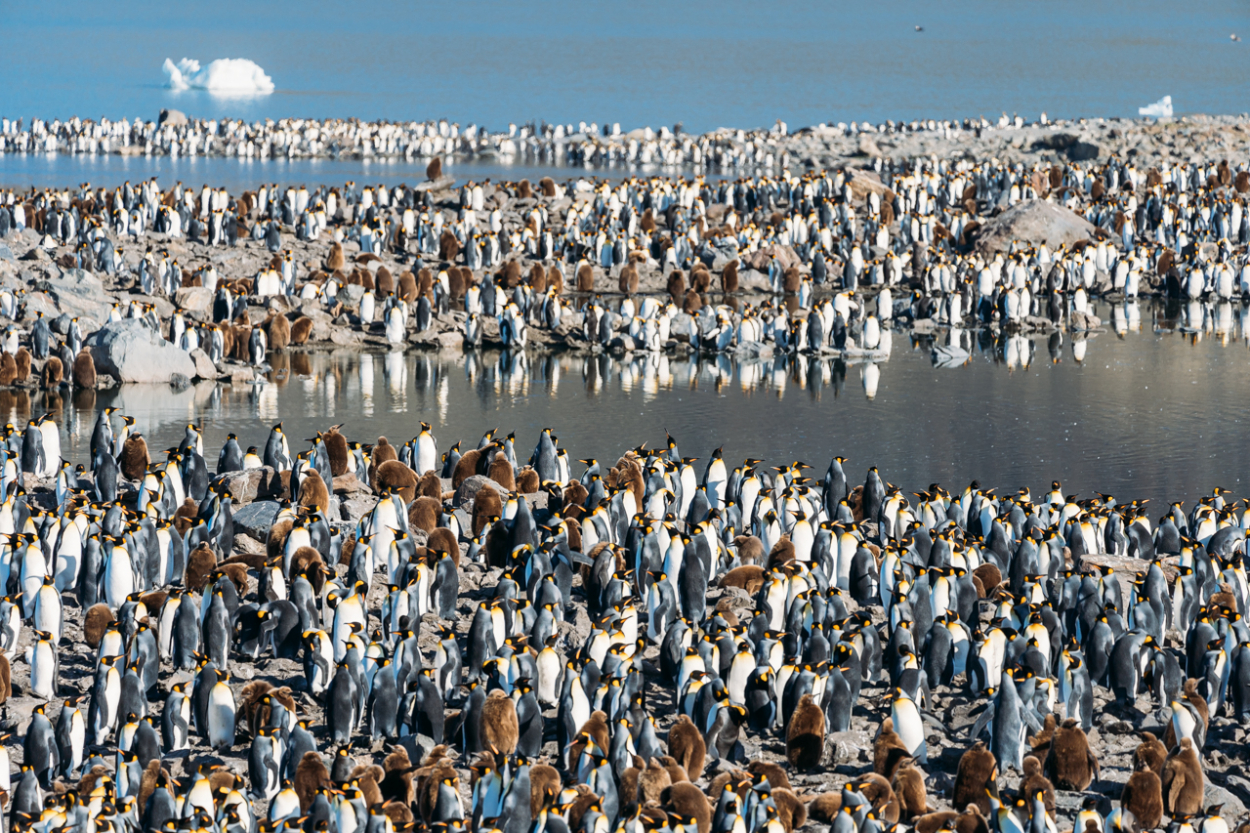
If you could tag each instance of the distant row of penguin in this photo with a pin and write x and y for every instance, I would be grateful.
(581, 144)
(633, 644)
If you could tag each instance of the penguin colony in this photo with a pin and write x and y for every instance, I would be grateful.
(587, 144)
(842, 256)
(653, 648)
(599, 146)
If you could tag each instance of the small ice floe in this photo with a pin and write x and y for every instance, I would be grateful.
(224, 76)
(1160, 109)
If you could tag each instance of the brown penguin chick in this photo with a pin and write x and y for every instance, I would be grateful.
(153, 776)
(790, 280)
(777, 778)
(466, 467)
(8, 369)
(396, 783)
(428, 781)
(383, 282)
(394, 476)
(1143, 796)
(487, 504)
(527, 481)
(688, 801)
(700, 278)
(1191, 695)
(134, 458)
(990, 576)
(335, 259)
(1182, 781)
(585, 278)
(628, 283)
(434, 170)
(555, 280)
(544, 787)
(430, 485)
(783, 552)
(676, 772)
(307, 560)
(750, 549)
(691, 303)
(1033, 782)
(407, 287)
(185, 515)
(597, 727)
(336, 448)
(729, 277)
(1151, 752)
(971, 821)
(501, 472)
(444, 540)
(908, 785)
(976, 774)
(887, 750)
(881, 796)
(499, 723)
(368, 776)
(825, 807)
(933, 822)
(200, 563)
(577, 808)
(511, 274)
(423, 514)
(653, 781)
(448, 246)
(627, 788)
(310, 775)
(275, 544)
(749, 577)
(791, 811)
(1071, 764)
(456, 283)
(53, 373)
(236, 573)
(805, 736)
(1041, 741)
(22, 359)
(313, 491)
(277, 331)
(676, 284)
(575, 494)
(301, 328)
(83, 372)
(382, 452)
(399, 813)
(96, 622)
(6, 679)
(687, 747)
(248, 701)
(90, 779)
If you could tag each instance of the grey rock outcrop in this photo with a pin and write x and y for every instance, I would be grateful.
(131, 351)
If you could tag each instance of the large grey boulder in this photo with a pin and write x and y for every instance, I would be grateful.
(131, 351)
(256, 519)
(1036, 222)
(77, 293)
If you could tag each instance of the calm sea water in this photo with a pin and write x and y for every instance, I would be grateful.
(1142, 415)
(705, 64)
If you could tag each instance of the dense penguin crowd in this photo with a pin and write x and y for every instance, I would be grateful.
(492, 642)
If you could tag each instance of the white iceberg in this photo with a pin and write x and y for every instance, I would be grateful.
(1160, 109)
(224, 76)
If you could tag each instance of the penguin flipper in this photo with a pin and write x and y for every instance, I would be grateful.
(1030, 718)
(983, 721)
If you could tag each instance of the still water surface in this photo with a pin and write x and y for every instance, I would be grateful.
(728, 63)
(1155, 412)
